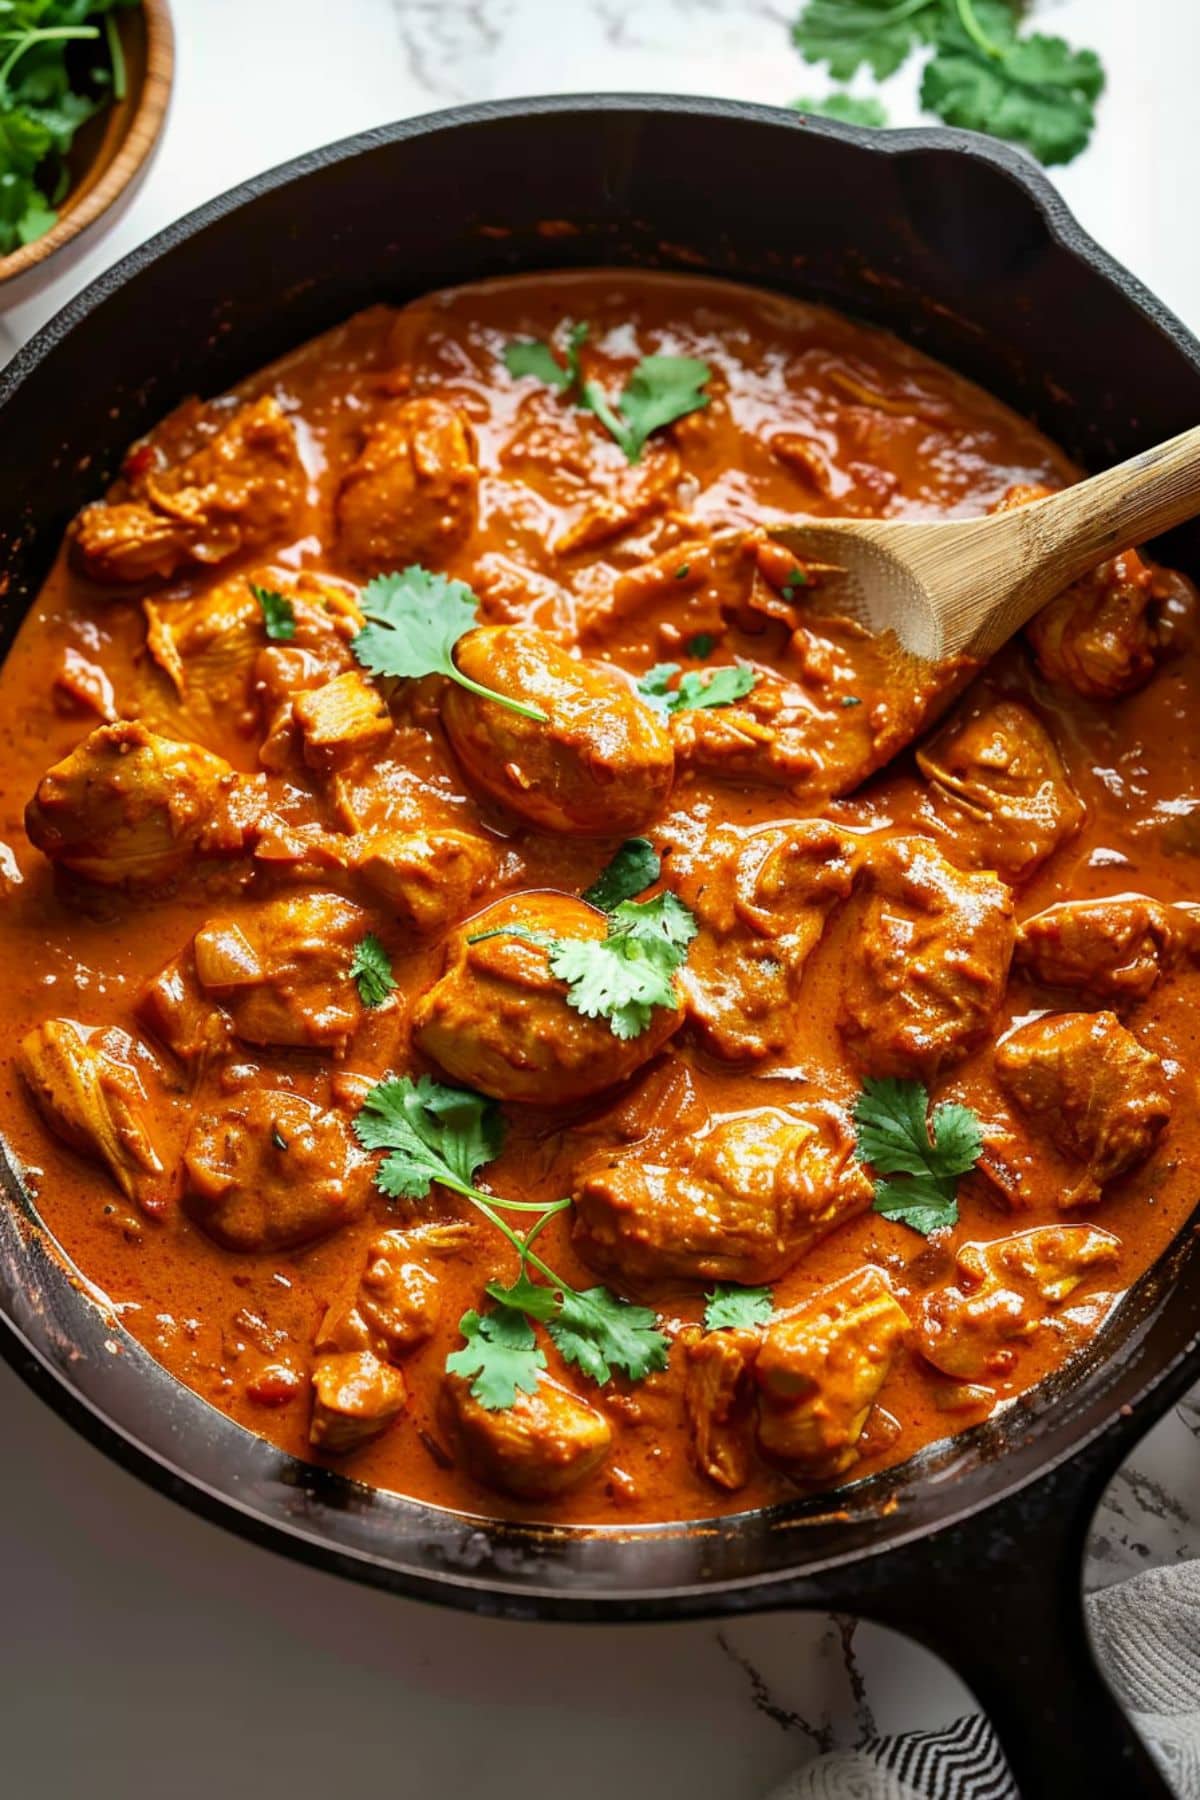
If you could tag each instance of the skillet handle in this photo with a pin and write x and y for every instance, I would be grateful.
(999, 1597)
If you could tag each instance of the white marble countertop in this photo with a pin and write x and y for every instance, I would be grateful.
(146, 1652)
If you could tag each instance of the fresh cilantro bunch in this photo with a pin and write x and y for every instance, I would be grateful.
(985, 72)
(433, 1133)
(660, 390)
(55, 72)
(896, 1138)
(698, 688)
(414, 620)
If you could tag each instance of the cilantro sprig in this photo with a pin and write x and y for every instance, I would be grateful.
(698, 688)
(897, 1137)
(660, 390)
(626, 974)
(433, 1133)
(737, 1307)
(371, 971)
(414, 620)
(985, 72)
(278, 613)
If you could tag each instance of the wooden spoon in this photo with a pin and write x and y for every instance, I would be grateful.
(964, 586)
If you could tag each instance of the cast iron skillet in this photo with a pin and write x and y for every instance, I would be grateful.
(960, 245)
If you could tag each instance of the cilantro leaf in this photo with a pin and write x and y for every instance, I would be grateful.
(616, 979)
(625, 975)
(433, 1133)
(500, 1357)
(660, 390)
(702, 645)
(371, 971)
(634, 868)
(278, 613)
(698, 688)
(655, 684)
(729, 1305)
(1035, 91)
(665, 920)
(529, 356)
(851, 109)
(533, 1298)
(720, 688)
(892, 1134)
(894, 1137)
(599, 1332)
(920, 1202)
(414, 620)
(845, 35)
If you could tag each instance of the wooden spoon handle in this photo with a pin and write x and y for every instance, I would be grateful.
(1152, 492)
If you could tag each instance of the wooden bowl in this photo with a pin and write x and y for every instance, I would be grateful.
(109, 159)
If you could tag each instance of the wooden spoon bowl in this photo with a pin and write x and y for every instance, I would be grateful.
(962, 587)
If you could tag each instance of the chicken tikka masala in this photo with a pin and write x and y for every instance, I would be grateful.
(508, 993)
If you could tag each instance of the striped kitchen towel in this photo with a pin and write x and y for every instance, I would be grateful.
(1147, 1637)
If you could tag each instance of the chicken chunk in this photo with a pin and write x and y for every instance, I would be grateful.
(390, 1307)
(211, 663)
(999, 796)
(499, 1020)
(544, 1444)
(282, 970)
(1105, 635)
(88, 1087)
(718, 1399)
(127, 808)
(429, 878)
(341, 720)
(600, 764)
(926, 963)
(273, 1171)
(762, 898)
(173, 1009)
(808, 728)
(629, 496)
(1098, 1095)
(659, 607)
(1004, 1293)
(742, 1202)
(241, 490)
(820, 1370)
(1111, 950)
(355, 1398)
(410, 495)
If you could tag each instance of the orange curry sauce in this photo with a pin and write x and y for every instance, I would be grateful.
(808, 413)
